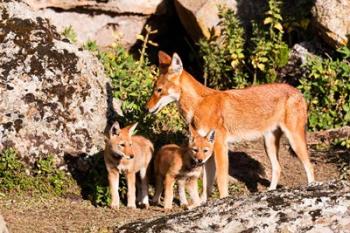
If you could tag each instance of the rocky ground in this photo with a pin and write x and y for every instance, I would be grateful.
(73, 214)
(317, 208)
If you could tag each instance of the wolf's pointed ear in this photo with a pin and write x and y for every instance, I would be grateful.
(211, 136)
(115, 129)
(132, 129)
(176, 64)
(164, 58)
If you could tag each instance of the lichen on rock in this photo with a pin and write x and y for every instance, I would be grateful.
(321, 207)
(53, 95)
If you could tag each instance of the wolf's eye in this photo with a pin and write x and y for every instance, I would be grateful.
(195, 150)
(122, 144)
(159, 90)
(205, 150)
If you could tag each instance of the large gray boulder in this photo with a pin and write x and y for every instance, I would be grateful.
(53, 95)
(318, 208)
(102, 21)
(332, 21)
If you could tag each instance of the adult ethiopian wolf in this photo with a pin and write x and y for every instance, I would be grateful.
(244, 114)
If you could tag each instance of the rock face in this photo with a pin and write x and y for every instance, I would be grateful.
(332, 21)
(102, 21)
(298, 57)
(53, 96)
(318, 208)
(198, 17)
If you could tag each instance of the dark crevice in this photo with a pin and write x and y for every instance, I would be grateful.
(95, 11)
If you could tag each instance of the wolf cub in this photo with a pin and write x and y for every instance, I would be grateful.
(184, 165)
(125, 153)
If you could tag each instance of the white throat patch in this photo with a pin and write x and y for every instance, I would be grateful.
(165, 100)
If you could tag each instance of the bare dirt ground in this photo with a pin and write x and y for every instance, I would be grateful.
(249, 167)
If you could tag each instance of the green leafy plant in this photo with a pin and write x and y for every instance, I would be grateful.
(91, 46)
(95, 183)
(269, 51)
(70, 34)
(132, 82)
(232, 61)
(11, 172)
(43, 178)
(224, 56)
(342, 143)
(326, 86)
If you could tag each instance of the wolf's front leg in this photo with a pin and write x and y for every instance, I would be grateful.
(209, 171)
(131, 179)
(221, 164)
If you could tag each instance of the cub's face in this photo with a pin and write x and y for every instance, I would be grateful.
(201, 147)
(120, 141)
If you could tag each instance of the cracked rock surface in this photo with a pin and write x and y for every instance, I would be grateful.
(317, 208)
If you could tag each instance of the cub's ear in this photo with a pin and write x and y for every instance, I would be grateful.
(164, 58)
(191, 129)
(132, 129)
(211, 136)
(176, 64)
(115, 129)
(192, 133)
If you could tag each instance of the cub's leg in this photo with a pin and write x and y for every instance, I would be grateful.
(169, 191)
(144, 187)
(182, 193)
(131, 179)
(113, 179)
(192, 187)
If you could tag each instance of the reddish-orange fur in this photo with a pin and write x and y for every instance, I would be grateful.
(184, 165)
(127, 154)
(266, 110)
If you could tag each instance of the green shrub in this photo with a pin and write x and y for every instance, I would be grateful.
(94, 183)
(132, 82)
(326, 86)
(224, 57)
(269, 50)
(342, 143)
(69, 33)
(43, 178)
(231, 61)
